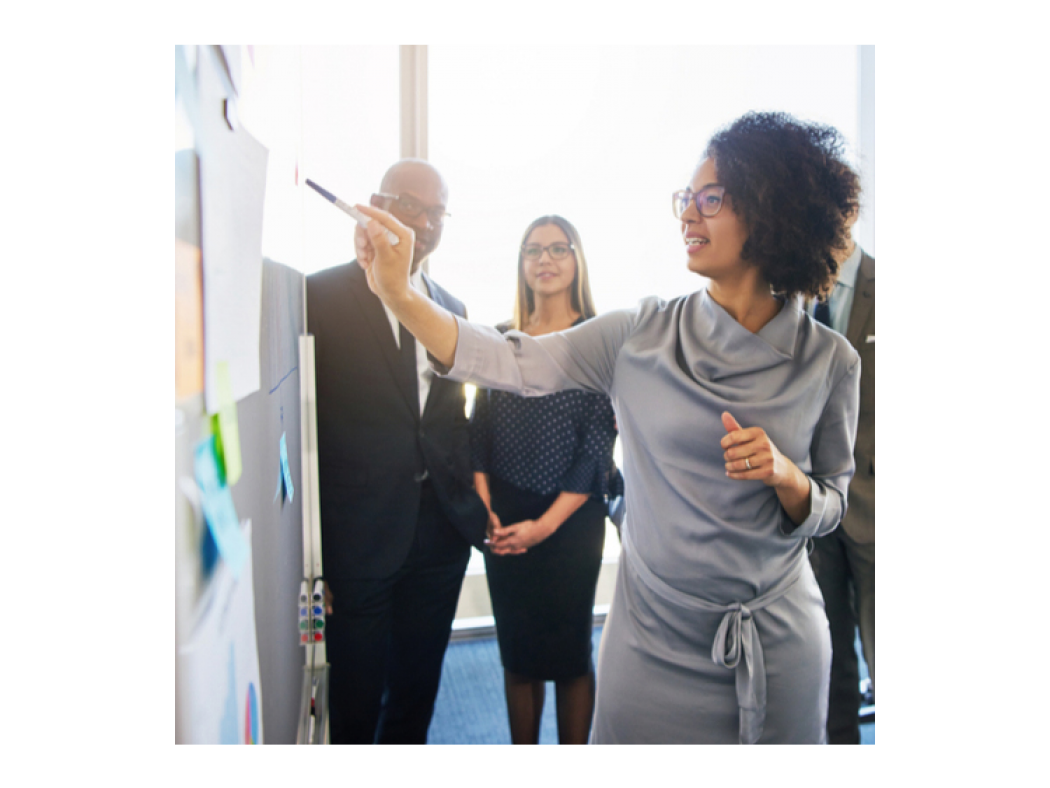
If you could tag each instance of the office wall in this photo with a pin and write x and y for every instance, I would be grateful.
(267, 415)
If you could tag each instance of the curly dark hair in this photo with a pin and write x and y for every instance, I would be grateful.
(790, 184)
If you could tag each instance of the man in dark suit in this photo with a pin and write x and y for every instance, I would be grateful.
(844, 560)
(398, 508)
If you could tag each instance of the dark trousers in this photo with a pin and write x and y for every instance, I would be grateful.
(845, 571)
(386, 638)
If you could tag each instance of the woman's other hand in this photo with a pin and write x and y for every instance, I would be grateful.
(750, 454)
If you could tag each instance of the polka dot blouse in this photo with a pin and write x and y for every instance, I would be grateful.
(560, 442)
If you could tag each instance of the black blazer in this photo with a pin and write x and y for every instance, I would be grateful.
(373, 444)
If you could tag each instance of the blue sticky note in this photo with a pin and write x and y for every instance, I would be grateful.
(286, 470)
(219, 511)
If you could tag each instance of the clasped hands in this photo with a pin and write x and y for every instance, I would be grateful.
(517, 538)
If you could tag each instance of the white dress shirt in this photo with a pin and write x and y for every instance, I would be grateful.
(424, 374)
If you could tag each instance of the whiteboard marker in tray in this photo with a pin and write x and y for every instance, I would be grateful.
(361, 218)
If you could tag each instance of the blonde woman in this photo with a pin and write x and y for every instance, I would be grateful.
(544, 467)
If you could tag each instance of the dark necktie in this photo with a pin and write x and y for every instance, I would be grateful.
(822, 313)
(408, 363)
(411, 373)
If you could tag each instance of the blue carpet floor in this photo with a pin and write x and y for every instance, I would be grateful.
(471, 708)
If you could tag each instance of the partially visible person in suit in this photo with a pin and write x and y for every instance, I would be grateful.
(844, 560)
(398, 507)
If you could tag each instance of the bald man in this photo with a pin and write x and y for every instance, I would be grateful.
(398, 508)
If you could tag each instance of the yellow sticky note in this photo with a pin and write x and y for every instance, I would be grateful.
(224, 425)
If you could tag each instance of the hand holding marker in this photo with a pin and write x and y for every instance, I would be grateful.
(360, 217)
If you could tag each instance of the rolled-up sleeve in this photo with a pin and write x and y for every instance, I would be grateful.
(831, 453)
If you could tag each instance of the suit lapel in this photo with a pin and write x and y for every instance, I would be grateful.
(372, 308)
(863, 300)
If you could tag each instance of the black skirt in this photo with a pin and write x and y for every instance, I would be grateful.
(543, 600)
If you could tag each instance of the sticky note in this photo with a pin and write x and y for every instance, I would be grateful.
(285, 470)
(217, 503)
(224, 425)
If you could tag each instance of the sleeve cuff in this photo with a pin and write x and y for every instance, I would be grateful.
(818, 504)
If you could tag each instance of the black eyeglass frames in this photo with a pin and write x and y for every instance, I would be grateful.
(558, 251)
(411, 208)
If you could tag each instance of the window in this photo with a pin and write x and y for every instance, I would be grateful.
(602, 136)
(350, 138)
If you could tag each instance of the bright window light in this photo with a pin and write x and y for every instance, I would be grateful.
(350, 138)
(601, 136)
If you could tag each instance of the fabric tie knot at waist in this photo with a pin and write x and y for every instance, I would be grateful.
(737, 646)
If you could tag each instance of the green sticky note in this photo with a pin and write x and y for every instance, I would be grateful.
(224, 425)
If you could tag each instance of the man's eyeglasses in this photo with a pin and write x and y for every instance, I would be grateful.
(411, 208)
(708, 201)
(556, 250)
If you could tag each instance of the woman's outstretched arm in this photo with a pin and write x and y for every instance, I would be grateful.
(580, 357)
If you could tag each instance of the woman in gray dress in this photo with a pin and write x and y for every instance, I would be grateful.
(737, 413)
